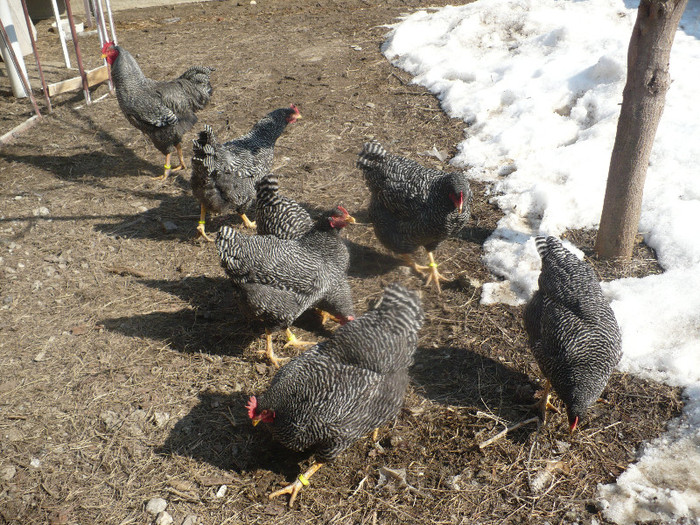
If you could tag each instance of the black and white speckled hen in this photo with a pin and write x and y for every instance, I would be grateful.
(343, 388)
(278, 215)
(284, 218)
(572, 330)
(413, 206)
(224, 175)
(163, 111)
(280, 279)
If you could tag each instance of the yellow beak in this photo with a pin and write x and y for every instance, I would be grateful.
(104, 56)
(255, 422)
(350, 219)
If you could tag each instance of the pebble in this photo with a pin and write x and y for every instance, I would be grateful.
(156, 506)
(35, 463)
(42, 211)
(7, 473)
(161, 418)
(190, 520)
(164, 518)
(222, 491)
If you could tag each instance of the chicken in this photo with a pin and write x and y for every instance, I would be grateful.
(572, 330)
(224, 175)
(278, 215)
(343, 388)
(413, 206)
(163, 111)
(278, 280)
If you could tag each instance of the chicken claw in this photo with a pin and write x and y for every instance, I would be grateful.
(293, 341)
(202, 222)
(294, 488)
(270, 351)
(434, 276)
(248, 223)
(543, 404)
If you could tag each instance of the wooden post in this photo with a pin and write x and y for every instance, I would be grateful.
(642, 105)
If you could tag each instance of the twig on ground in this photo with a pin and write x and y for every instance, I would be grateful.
(505, 431)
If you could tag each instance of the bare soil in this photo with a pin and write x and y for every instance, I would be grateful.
(125, 365)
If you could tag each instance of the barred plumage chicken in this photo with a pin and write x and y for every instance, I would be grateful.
(279, 279)
(572, 330)
(278, 215)
(163, 111)
(413, 206)
(224, 175)
(343, 388)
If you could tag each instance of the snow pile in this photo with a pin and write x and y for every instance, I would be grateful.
(538, 84)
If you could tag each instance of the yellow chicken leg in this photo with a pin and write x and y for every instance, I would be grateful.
(294, 488)
(434, 276)
(270, 351)
(248, 223)
(543, 404)
(202, 222)
(293, 341)
(182, 165)
(167, 169)
(326, 316)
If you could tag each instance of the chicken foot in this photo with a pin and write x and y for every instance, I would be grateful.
(202, 222)
(434, 276)
(248, 223)
(301, 481)
(293, 341)
(167, 166)
(326, 316)
(431, 269)
(270, 351)
(543, 404)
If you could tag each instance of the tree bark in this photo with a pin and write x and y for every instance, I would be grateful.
(642, 105)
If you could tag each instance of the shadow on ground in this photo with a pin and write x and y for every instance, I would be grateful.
(462, 377)
(217, 431)
(213, 324)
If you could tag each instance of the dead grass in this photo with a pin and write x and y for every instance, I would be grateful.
(124, 365)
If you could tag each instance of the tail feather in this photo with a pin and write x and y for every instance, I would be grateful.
(402, 303)
(204, 149)
(372, 153)
(267, 188)
(202, 90)
(227, 244)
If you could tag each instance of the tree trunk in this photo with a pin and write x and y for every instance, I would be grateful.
(642, 104)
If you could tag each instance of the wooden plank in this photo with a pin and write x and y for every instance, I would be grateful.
(12, 134)
(94, 76)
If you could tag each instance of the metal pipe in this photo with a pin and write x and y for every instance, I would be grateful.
(15, 80)
(36, 55)
(111, 21)
(15, 62)
(100, 34)
(104, 37)
(61, 33)
(86, 87)
(88, 14)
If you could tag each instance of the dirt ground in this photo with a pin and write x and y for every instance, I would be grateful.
(125, 365)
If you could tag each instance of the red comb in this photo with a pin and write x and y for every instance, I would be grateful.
(107, 46)
(251, 406)
(294, 108)
(343, 211)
